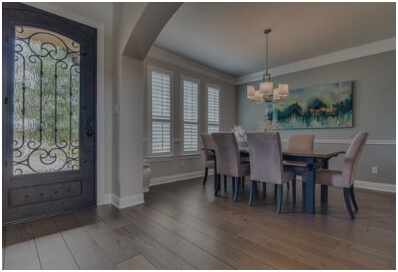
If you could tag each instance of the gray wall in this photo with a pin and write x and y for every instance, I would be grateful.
(374, 110)
(228, 118)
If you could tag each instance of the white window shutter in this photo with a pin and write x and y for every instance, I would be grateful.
(213, 110)
(190, 126)
(160, 112)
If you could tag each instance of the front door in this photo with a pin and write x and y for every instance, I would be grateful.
(49, 87)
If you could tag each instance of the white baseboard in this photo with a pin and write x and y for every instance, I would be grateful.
(178, 177)
(376, 186)
(124, 202)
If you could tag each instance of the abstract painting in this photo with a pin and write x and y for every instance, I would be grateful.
(327, 106)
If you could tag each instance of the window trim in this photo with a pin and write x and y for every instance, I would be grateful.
(188, 78)
(149, 87)
(207, 85)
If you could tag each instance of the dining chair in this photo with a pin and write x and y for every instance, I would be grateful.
(266, 163)
(299, 143)
(207, 142)
(345, 178)
(229, 161)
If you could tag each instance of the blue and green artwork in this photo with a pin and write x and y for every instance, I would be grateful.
(327, 106)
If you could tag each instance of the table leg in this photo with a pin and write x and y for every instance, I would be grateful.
(310, 186)
(324, 188)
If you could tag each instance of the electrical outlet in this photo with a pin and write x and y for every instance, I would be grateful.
(375, 170)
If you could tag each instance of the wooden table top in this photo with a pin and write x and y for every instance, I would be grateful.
(292, 153)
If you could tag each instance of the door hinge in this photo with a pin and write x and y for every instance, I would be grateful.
(6, 100)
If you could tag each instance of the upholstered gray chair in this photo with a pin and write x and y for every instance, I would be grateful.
(345, 178)
(266, 163)
(299, 143)
(229, 161)
(207, 142)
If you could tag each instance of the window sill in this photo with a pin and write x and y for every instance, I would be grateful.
(160, 158)
(188, 156)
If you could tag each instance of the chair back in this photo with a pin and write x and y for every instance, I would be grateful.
(227, 153)
(301, 143)
(207, 142)
(352, 156)
(266, 159)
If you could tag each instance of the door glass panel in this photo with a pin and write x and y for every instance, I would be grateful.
(45, 101)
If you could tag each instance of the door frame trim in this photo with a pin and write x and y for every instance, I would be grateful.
(101, 197)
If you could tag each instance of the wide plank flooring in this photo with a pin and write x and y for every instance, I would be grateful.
(182, 225)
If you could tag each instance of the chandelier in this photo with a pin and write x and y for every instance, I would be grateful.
(267, 93)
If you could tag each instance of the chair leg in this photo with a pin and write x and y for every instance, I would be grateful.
(294, 190)
(264, 189)
(324, 193)
(206, 172)
(225, 184)
(252, 189)
(288, 185)
(348, 202)
(217, 183)
(353, 197)
(233, 184)
(255, 188)
(237, 185)
(275, 189)
(243, 182)
(280, 194)
(303, 194)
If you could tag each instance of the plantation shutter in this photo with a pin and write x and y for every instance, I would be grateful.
(190, 91)
(160, 112)
(213, 110)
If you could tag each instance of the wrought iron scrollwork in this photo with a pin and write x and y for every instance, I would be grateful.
(46, 102)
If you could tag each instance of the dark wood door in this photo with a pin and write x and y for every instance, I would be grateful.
(49, 88)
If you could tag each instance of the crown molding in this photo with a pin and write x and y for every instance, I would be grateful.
(166, 56)
(334, 57)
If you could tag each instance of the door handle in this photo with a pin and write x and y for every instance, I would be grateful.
(89, 128)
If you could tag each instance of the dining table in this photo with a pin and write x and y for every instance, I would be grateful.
(312, 160)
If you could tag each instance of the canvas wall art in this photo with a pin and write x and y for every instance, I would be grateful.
(327, 106)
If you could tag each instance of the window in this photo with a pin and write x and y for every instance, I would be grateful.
(160, 114)
(190, 115)
(213, 108)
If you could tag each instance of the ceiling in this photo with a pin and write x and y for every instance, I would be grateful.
(229, 36)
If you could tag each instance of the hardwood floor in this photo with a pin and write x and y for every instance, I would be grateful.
(182, 225)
